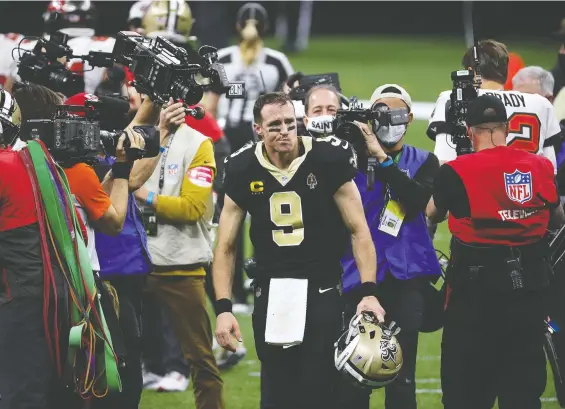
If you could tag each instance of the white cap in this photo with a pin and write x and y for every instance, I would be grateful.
(401, 94)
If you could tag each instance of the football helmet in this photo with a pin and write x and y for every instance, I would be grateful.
(368, 353)
(170, 19)
(253, 12)
(75, 18)
(8, 129)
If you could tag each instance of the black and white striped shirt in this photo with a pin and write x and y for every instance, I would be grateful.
(267, 73)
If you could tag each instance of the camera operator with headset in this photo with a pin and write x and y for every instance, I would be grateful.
(395, 199)
(500, 203)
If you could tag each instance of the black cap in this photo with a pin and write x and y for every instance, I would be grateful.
(485, 109)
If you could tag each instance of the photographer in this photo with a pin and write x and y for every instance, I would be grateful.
(533, 126)
(406, 259)
(99, 210)
(178, 205)
(501, 202)
(124, 259)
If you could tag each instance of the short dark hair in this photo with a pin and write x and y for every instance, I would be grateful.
(270, 98)
(36, 101)
(329, 87)
(493, 60)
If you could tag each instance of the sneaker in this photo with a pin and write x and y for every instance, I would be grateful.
(226, 359)
(173, 382)
(150, 380)
(243, 309)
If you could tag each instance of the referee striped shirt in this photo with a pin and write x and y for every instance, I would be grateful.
(266, 74)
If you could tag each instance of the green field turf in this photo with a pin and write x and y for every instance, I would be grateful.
(422, 66)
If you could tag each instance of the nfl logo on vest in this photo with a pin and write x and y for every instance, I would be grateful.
(518, 186)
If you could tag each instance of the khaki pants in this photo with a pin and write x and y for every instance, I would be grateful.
(185, 297)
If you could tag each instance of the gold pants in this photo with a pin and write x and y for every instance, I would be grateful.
(185, 297)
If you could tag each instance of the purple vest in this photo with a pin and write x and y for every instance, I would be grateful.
(411, 254)
(560, 157)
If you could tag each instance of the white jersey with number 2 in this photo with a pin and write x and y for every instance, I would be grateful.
(532, 124)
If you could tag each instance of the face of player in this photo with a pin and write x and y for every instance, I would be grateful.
(278, 128)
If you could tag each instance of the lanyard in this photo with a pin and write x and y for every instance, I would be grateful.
(387, 187)
(163, 162)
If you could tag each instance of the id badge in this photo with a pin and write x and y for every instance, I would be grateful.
(392, 218)
(149, 221)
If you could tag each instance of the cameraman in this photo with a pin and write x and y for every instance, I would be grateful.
(99, 210)
(501, 202)
(533, 125)
(178, 203)
(406, 258)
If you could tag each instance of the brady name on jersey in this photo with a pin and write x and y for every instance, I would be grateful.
(532, 124)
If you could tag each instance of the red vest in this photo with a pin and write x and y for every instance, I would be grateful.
(505, 187)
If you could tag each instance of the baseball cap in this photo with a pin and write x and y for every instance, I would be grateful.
(392, 91)
(485, 109)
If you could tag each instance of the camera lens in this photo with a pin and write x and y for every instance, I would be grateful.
(187, 91)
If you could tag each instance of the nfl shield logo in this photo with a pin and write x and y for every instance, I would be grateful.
(518, 186)
(173, 169)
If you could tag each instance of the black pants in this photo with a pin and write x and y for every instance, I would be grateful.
(404, 304)
(28, 377)
(129, 290)
(302, 376)
(556, 311)
(492, 347)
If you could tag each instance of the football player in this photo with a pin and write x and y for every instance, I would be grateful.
(532, 123)
(300, 194)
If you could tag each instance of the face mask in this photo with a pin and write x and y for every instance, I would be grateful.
(390, 135)
(320, 125)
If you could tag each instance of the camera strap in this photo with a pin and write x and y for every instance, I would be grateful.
(163, 164)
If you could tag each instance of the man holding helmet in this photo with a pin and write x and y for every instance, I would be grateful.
(500, 202)
(299, 193)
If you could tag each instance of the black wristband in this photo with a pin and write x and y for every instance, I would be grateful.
(121, 170)
(368, 289)
(222, 305)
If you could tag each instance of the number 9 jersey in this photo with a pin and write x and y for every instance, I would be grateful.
(532, 124)
(296, 227)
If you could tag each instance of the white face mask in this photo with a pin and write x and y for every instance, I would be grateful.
(320, 125)
(390, 135)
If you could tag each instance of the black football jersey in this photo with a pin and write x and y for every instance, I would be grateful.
(296, 228)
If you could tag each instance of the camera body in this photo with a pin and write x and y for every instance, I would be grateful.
(465, 89)
(70, 137)
(307, 82)
(163, 70)
(43, 68)
(381, 115)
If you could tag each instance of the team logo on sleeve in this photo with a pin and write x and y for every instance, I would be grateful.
(201, 176)
(518, 186)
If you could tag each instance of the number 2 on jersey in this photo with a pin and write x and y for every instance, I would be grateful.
(517, 124)
(286, 211)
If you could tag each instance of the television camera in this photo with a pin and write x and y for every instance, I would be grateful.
(77, 133)
(162, 70)
(45, 64)
(378, 116)
(466, 84)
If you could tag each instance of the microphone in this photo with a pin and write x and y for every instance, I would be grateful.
(196, 112)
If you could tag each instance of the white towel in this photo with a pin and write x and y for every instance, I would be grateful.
(286, 311)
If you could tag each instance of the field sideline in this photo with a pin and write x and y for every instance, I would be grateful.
(422, 65)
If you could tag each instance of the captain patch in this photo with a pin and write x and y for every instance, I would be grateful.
(518, 186)
(201, 176)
